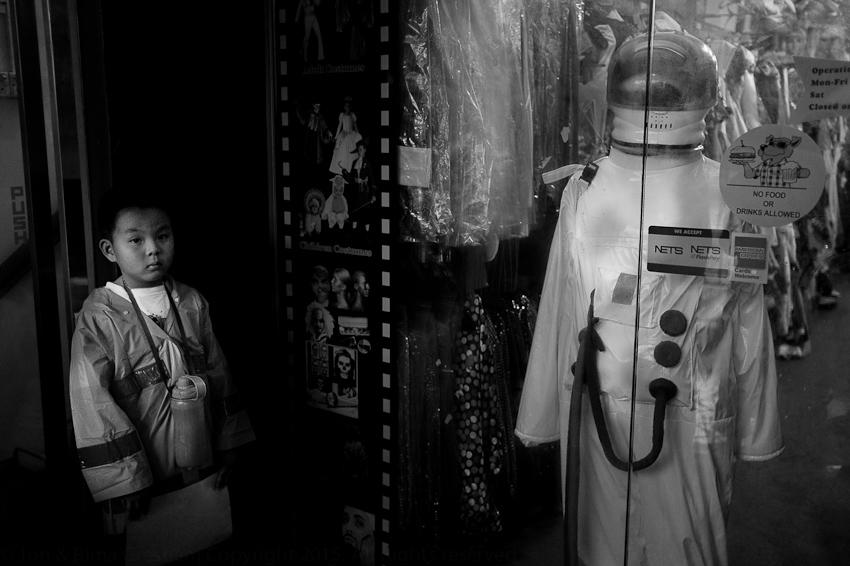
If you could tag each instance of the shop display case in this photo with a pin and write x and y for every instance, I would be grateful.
(488, 207)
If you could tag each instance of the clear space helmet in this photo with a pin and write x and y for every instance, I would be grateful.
(682, 89)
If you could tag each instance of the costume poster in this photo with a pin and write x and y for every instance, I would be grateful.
(339, 483)
(333, 97)
(335, 105)
(358, 535)
(337, 336)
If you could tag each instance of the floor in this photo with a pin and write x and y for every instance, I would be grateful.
(790, 511)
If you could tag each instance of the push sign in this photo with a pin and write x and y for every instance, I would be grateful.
(772, 175)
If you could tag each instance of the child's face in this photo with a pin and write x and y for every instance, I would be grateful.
(338, 189)
(337, 285)
(313, 206)
(142, 245)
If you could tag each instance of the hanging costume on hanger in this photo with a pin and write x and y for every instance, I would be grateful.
(726, 405)
(480, 430)
(469, 63)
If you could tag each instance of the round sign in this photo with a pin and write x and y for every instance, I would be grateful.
(772, 175)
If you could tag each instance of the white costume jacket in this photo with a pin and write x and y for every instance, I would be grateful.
(726, 405)
(119, 401)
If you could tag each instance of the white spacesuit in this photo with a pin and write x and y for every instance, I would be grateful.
(717, 346)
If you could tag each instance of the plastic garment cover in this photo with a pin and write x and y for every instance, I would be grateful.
(424, 150)
(120, 403)
(547, 22)
(738, 90)
(726, 405)
(779, 294)
(466, 71)
(592, 94)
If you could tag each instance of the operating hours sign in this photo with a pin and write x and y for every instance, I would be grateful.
(826, 83)
(772, 175)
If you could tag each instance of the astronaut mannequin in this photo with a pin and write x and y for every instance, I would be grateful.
(725, 406)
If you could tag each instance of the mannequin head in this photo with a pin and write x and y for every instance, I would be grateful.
(682, 89)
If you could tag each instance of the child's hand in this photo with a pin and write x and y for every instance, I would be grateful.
(137, 503)
(227, 459)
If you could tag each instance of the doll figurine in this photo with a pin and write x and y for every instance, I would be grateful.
(314, 202)
(336, 207)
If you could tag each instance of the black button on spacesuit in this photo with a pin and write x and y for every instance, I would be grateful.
(667, 354)
(673, 322)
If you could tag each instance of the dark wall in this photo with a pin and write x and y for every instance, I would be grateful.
(186, 95)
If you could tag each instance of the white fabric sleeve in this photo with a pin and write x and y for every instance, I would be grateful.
(555, 344)
(759, 434)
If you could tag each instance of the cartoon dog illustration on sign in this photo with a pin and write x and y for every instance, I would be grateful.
(776, 169)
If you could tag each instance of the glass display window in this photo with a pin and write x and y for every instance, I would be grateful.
(611, 265)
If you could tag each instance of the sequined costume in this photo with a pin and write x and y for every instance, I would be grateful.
(480, 430)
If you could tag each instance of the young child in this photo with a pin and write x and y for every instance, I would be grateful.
(120, 390)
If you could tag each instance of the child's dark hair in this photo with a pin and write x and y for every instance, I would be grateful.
(118, 198)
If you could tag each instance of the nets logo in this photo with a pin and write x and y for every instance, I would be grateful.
(705, 250)
(669, 250)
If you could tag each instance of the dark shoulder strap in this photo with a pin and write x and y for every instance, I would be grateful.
(185, 343)
(144, 323)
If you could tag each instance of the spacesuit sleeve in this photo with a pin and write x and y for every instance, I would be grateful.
(759, 434)
(232, 426)
(111, 454)
(552, 352)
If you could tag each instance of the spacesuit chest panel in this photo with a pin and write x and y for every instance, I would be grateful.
(607, 228)
(665, 347)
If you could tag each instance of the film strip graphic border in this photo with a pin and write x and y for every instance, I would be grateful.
(283, 191)
(387, 51)
(386, 19)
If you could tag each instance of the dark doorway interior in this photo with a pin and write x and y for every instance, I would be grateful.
(186, 88)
